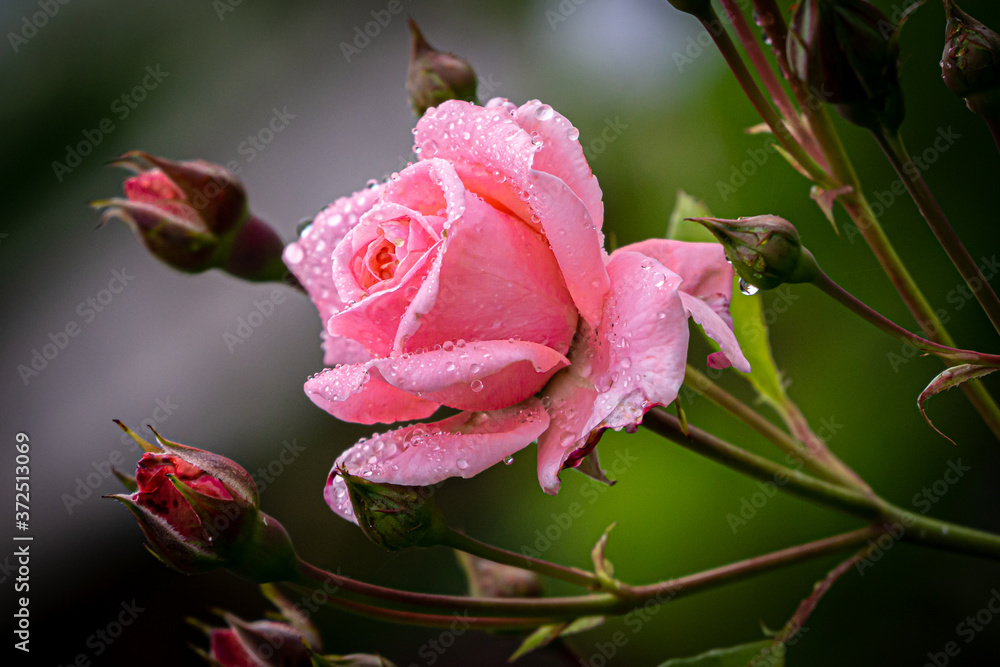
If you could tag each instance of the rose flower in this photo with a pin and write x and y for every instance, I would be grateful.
(464, 280)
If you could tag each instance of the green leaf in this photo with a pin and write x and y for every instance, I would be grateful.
(734, 656)
(679, 229)
(546, 634)
(752, 335)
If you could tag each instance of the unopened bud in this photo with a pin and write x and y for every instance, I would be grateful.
(435, 76)
(970, 64)
(194, 217)
(847, 52)
(764, 250)
(395, 516)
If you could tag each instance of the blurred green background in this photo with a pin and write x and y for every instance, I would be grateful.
(673, 118)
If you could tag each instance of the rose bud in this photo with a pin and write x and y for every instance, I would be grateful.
(970, 63)
(199, 511)
(261, 644)
(394, 516)
(193, 216)
(847, 52)
(495, 580)
(764, 250)
(289, 640)
(435, 76)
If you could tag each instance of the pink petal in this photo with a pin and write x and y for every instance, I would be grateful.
(351, 394)
(422, 454)
(481, 375)
(375, 320)
(634, 360)
(561, 153)
(310, 259)
(718, 330)
(703, 267)
(495, 159)
(495, 279)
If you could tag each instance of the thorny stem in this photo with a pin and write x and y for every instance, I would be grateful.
(895, 150)
(917, 528)
(807, 606)
(728, 49)
(525, 612)
(573, 575)
(842, 296)
(771, 21)
(814, 455)
(770, 81)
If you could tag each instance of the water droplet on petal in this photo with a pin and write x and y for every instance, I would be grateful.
(462, 464)
(508, 459)
(476, 386)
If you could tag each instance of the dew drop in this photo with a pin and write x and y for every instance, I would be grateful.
(747, 289)
(293, 255)
(462, 464)
(543, 112)
(573, 134)
(508, 459)
(476, 386)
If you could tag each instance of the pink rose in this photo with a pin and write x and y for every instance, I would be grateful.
(463, 280)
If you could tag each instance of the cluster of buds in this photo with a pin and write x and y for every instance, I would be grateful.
(970, 63)
(847, 53)
(764, 250)
(434, 76)
(200, 511)
(288, 639)
(194, 216)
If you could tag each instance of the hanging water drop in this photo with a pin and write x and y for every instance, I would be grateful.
(747, 289)
(508, 459)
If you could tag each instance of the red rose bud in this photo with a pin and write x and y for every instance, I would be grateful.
(261, 643)
(394, 516)
(435, 76)
(847, 52)
(199, 511)
(764, 250)
(194, 217)
(970, 63)
(494, 580)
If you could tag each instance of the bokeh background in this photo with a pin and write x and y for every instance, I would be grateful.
(156, 353)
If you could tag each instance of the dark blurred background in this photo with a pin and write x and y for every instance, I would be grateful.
(156, 352)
